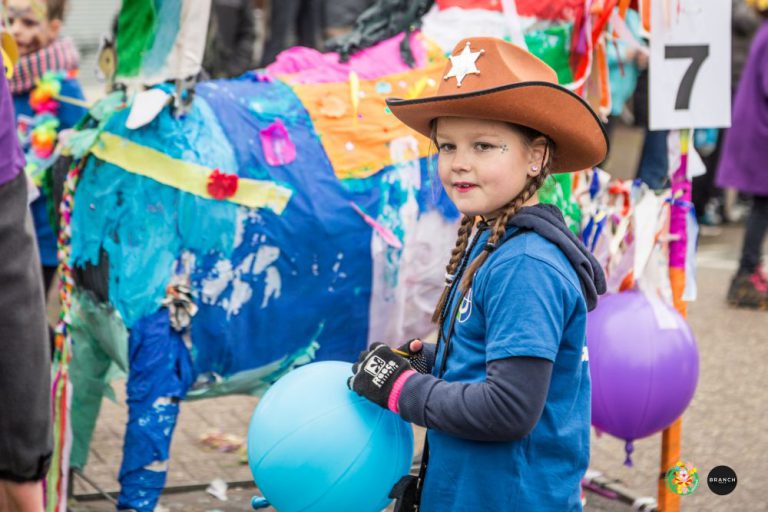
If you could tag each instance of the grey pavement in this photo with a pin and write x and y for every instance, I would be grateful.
(725, 424)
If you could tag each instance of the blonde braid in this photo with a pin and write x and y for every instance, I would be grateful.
(462, 241)
(500, 226)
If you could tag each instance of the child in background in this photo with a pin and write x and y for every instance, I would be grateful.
(505, 396)
(744, 166)
(35, 25)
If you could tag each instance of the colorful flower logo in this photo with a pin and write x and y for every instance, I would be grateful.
(683, 478)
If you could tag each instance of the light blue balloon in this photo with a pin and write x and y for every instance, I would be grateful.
(314, 445)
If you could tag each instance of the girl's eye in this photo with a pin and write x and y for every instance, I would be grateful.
(445, 147)
(484, 146)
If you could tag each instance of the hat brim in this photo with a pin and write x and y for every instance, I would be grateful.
(581, 141)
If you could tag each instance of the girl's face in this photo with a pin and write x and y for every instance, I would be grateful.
(30, 26)
(483, 164)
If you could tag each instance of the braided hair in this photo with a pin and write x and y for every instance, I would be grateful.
(499, 226)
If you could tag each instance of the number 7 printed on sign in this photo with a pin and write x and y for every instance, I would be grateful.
(690, 65)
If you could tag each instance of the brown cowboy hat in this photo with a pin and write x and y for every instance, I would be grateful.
(487, 78)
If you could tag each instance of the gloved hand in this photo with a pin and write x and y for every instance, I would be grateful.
(376, 374)
(417, 356)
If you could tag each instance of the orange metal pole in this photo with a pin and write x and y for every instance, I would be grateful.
(681, 191)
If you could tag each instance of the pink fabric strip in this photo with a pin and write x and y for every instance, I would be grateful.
(679, 214)
(397, 388)
(308, 66)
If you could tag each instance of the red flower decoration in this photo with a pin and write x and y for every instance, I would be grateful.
(222, 185)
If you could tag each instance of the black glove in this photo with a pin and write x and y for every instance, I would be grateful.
(375, 372)
(418, 359)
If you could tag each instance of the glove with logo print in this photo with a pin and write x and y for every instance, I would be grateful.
(379, 375)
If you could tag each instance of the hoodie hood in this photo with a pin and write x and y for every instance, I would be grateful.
(548, 221)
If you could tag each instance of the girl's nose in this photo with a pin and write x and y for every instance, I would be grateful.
(460, 162)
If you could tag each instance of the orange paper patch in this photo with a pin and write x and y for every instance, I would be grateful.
(356, 137)
(333, 106)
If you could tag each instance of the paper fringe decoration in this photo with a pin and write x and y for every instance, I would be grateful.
(57, 479)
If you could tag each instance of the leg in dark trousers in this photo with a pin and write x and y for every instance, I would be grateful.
(311, 26)
(749, 287)
(282, 24)
(754, 235)
(704, 189)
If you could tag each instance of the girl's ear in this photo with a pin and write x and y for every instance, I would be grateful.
(537, 156)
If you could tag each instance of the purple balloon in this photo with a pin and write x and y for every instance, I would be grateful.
(643, 376)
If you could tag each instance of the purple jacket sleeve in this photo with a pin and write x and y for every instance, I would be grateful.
(11, 157)
(504, 407)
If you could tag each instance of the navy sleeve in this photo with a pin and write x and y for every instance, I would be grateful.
(504, 407)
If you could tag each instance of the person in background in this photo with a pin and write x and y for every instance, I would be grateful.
(231, 38)
(707, 199)
(35, 25)
(340, 16)
(653, 169)
(744, 166)
(292, 23)
(25, 368)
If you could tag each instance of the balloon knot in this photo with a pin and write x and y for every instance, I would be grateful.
(629, 448)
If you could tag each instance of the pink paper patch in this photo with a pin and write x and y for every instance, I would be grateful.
(278, 146)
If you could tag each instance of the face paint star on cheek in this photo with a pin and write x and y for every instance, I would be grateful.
(504, 148)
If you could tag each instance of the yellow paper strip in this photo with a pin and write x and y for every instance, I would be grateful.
(186, 176)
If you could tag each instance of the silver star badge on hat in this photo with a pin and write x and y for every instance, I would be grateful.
(463, 64)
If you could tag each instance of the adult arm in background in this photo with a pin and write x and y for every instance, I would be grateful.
(25, 386)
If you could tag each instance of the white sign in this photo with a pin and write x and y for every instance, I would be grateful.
(690, 68)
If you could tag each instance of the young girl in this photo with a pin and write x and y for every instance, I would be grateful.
(743, 167)
(506, 393)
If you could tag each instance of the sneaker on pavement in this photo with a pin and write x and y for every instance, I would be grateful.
(762, 275)
(749, 291)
